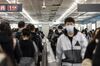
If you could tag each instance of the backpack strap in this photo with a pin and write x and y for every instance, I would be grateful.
(16, 43)
(36, 52)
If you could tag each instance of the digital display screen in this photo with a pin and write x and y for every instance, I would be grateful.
(88, 8)
(2, 8)
(10, 7)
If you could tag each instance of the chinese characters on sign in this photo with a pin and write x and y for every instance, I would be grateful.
(10, 7)
(2, 8)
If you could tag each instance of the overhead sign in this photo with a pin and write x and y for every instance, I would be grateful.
(88, 7)
(10, 7)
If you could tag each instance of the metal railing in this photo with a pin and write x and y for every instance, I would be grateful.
(44, 54)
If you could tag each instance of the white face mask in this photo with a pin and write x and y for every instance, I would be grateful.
(97, 41)
(70, 28)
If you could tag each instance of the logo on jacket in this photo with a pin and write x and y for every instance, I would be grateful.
(77, 44)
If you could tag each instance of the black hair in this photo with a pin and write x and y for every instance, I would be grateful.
(28, 26)
(26, 32)
(32, 27)
(69, 19)
(60, 27)
(5, 27)
(54, 27)
(21, 24)
(37, 30)
(6, 30)
(98, 33)
(50, 31)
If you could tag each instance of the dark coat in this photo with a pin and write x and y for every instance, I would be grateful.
(96, 58)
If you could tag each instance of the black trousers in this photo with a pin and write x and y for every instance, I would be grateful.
(39, 60)
(54, 49)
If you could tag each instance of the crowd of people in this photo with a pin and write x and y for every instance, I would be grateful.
(71, 47)
(22, 46)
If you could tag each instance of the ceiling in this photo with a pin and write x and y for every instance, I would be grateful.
(80, 16)
(54, 9)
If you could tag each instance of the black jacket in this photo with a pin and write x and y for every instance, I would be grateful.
(7, 45)
(27, 48)
(96, 58)
(89, 51)
(55, 37)
(24, 48)
(36, 38)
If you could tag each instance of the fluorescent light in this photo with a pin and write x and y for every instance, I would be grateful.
(11, 1)
(44, 4)
(8, 1)
(68, 11)
(25, 14)
(77, 1)
(72, 8)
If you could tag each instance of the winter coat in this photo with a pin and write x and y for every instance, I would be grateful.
(70, 51)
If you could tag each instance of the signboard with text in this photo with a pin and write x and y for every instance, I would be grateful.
(10, 7)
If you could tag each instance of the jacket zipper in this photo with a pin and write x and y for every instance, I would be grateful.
(72, 51)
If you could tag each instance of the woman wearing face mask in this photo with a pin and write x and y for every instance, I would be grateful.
(71, 45)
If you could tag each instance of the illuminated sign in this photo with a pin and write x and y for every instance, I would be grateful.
(88, 7)
(10, 7)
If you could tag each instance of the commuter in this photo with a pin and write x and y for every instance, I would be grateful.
(50, 34)
(84, 33)
(96, 57)
(54, 29)
(21, 26)
(36, 38)
(6, 40)
(90, 51)
(90, 36)
(71, 45)
(27, 49)
(55, 37)
(40, 33)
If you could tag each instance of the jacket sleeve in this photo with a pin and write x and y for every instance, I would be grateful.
(36, 52)
(59, 52)
(84, 43)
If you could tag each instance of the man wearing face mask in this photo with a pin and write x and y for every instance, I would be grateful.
(71, 45)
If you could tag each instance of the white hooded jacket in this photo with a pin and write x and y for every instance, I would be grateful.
(71, 52)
